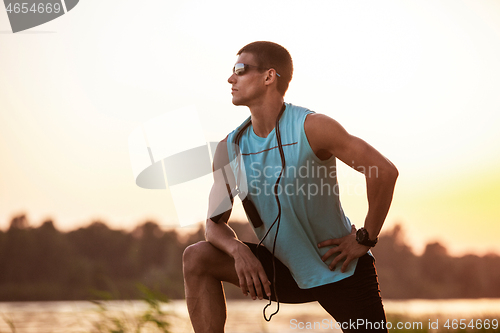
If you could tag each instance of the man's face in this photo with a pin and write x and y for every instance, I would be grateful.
(249, 87)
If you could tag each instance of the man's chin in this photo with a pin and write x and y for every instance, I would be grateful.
(237, 102)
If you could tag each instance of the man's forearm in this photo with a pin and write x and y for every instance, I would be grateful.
(222, 236)
(380, 189)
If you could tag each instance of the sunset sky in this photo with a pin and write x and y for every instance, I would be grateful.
(420, 81)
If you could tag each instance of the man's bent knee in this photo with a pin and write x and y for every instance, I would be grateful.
(197, 257)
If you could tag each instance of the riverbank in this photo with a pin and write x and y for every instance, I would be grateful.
(243, 316)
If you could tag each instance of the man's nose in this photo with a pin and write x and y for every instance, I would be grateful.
(232, 78)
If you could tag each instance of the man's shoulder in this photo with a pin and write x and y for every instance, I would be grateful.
(320, 121)
(325, 133)
(299, 109)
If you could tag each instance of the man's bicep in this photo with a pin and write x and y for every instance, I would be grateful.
(219, 200)
(361, 156)
(358, 154)
(219, 203)
(327, 134)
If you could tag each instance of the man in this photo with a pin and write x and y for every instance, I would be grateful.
(319, 255)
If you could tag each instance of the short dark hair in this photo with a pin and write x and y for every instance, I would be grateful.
(272, 55)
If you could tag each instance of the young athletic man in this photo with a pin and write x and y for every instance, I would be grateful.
(283, 160)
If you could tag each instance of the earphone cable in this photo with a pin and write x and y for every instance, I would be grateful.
(275, 191)
(278, 218)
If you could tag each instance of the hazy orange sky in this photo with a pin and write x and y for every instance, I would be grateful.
(417, 80)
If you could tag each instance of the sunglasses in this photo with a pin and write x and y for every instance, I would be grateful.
(240, 68)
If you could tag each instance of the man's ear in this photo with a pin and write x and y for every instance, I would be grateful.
(271, 76)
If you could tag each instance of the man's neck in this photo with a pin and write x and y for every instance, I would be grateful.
(264, 116)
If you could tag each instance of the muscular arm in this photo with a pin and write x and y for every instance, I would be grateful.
(220, 234)
(327, 137)
(249, 269)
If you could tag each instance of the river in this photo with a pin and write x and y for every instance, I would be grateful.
(243, 316)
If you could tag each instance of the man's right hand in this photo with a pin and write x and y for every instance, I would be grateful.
(251, 274)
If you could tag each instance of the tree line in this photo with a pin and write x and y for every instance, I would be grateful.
(434, 274)
(44, 263)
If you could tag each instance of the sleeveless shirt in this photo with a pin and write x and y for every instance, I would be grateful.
(308, 193)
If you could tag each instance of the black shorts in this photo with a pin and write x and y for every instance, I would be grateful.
(354, 302)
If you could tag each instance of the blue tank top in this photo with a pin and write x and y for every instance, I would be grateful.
(308, 192)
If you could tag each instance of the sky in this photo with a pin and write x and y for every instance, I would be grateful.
(419, 81)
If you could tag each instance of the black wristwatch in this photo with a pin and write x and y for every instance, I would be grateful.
(363, 238)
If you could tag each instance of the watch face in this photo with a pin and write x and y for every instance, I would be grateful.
(361, 235)
(363, 238)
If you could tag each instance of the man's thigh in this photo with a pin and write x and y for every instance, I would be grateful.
(287, 289)
(204, 259)
(355, 301)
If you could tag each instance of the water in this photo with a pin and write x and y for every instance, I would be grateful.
(243, 316)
